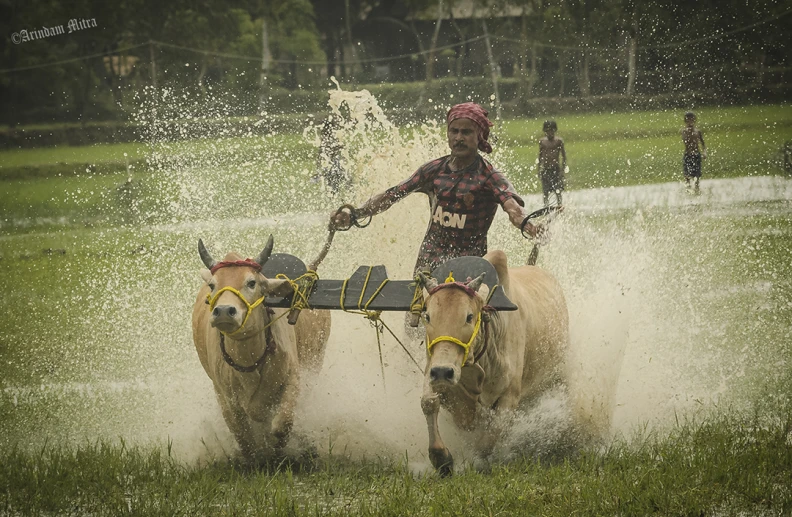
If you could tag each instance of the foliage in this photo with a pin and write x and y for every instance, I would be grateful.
(214, 49)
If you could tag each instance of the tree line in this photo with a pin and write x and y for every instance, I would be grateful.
(243, 51)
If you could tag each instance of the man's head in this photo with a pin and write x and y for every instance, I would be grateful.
(550, 127)
(690, 118)
(468, 130)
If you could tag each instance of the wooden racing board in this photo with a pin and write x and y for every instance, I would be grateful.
(361, 287)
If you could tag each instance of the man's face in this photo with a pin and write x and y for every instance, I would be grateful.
(463, 138)
(690, 121)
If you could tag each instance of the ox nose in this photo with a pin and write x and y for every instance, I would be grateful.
(441, 373)
(224, 311)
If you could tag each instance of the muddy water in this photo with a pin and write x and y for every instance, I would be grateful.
(677, 305)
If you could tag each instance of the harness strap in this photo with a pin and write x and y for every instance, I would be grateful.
(269, 349)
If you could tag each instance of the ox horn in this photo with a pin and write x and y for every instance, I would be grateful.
(476, 282)
(206, 258)
(427, 281)
(266, 252)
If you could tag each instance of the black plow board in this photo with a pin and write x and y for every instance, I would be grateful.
(282, 264)
(464, 268)
(395, 295)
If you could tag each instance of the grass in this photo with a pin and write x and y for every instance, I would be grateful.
(725, 466)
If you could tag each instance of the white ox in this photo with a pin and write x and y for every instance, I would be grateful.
(253, 358)
(523, 356)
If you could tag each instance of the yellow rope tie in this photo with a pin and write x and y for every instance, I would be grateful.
(417, 303)
(302, 286)
(465, 346)
(362, 308)
(373, 316)
(212, 300)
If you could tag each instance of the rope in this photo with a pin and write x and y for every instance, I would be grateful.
(374, 317)
(302, 286)
(417, 303)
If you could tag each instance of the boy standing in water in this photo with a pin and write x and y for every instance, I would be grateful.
(691, 161)
(551, 171)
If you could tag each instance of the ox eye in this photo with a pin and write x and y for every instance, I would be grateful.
(211, 286)
(470, 318)
(426, 317)
(251, 284)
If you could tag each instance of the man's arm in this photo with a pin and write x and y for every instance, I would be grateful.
(517, 216)
(703, 145)
(376, 204)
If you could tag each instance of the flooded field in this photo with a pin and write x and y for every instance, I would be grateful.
(679, 306)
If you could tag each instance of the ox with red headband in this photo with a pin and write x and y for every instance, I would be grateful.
(464, 191)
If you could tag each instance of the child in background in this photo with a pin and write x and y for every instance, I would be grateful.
(691, 160)
(551, 171)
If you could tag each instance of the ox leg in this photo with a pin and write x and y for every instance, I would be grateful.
(238, 424)
(495, 422)
(283, 418)
(439, 455)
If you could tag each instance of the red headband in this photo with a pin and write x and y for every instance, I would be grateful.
(248, 262)
(470, 292)
(478, 115)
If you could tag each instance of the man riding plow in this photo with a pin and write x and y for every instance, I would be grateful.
(495, 335)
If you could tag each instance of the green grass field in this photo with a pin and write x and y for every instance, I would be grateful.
(105, 410)
(77, 183)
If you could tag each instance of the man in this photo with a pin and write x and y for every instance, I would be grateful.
(464, 192)
(691, 161)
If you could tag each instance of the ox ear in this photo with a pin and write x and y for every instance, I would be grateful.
(277, 287)
(206, 275)
(266, 252)
(478, 285)
(206, 257)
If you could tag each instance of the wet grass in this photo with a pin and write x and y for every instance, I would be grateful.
(724, 465)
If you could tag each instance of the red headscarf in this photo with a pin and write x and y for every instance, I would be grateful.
(478, 115)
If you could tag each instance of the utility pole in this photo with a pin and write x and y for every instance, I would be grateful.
(266, 58)
(493, 70)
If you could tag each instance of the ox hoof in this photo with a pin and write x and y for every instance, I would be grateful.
(443, 462)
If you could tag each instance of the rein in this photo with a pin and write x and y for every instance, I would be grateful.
(269, 349)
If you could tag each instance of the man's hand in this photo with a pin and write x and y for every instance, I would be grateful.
(536, 231)
(341, 219)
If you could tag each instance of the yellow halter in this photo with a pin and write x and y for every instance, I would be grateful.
(212, 301)
(465, 346)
